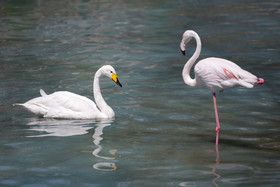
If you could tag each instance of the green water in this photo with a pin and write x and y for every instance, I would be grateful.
(164, 131)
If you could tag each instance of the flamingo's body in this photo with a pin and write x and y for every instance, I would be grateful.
(68, 105)
(216, 74)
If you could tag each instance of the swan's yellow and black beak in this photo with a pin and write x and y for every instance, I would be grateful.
(115, 79)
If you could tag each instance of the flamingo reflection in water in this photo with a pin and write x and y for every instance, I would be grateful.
(217, 176)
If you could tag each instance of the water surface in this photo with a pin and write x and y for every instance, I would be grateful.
(164, 131)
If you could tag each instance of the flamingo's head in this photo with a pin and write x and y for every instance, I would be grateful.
(187, 36)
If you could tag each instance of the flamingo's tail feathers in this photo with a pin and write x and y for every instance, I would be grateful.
(260, 81)
(245, 84)
(43, 93)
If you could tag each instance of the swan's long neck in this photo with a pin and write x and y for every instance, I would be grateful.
(100, 102)
(187, 68)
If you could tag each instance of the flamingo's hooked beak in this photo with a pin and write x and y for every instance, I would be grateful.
(184, 52)
(182, 47)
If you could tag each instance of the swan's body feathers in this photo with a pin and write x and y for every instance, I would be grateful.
(65, 104)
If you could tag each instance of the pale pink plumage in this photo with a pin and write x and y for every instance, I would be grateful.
(219, 74)
(216, 74)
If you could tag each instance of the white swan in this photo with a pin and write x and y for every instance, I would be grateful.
(65, 104)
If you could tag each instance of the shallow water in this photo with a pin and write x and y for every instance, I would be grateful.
(164, 131)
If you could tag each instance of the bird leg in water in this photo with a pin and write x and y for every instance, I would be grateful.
(217, 118)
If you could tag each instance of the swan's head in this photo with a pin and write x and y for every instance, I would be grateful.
(110, 72)
(187, 36)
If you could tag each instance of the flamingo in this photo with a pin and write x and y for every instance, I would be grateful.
(216, 74)
(64, 104)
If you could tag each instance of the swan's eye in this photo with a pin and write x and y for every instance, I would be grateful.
(111, 71)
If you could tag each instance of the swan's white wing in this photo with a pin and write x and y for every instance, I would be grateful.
(64, 104)
(218, 74)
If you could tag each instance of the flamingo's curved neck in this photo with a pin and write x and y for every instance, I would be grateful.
(100, 102)
(187, 68)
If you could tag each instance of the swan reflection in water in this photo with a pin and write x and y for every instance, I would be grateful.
(103, 166)
(64, 128)
(53, 127)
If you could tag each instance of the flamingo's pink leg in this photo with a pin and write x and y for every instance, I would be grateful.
(217, 118)
(217, 149)
(217, 138)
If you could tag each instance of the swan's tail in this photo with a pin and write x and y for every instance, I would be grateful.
(18, 104)
(43, 93)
